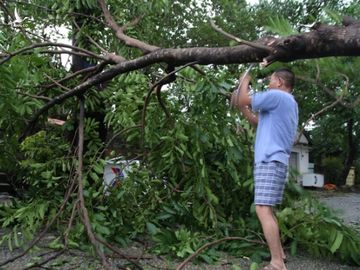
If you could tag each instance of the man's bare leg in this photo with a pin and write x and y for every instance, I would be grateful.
(282, 249)
(271, 231)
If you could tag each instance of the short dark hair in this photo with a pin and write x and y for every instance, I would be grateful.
(287, 75)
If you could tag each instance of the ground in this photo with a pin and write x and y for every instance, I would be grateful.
(346, 203)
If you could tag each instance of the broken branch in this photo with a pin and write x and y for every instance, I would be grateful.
(119, 32)
(239, 40)
(197, 252)
(82, 206)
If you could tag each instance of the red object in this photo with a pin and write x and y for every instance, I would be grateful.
(329, 187)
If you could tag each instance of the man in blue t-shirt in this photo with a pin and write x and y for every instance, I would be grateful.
(275, 113)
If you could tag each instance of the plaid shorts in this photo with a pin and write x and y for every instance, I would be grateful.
(269, 181)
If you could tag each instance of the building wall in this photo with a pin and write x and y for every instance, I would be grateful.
(299, 159)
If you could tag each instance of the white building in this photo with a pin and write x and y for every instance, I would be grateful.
(299, 161)
(299, 158)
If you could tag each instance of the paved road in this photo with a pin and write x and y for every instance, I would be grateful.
(346, 205)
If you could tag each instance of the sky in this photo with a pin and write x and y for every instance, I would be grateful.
(252, 1)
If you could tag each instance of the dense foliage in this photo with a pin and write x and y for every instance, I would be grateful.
(194, 181)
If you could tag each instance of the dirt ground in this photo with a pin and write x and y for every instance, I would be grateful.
(347, 205)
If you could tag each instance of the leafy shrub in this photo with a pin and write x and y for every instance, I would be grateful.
(47, 163)
(309, 224)
(194, 185)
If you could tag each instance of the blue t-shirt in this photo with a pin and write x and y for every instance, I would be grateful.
(276, 130)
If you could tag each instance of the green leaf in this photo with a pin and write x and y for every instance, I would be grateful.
(56, 244)
(293, 247)
(333, 15)
(103, 230)
(336, 244)
(10, 246)
(280, 25)
(94, 176)
(99, 168)
(46, 174)
(73, 244)
(152, 229)
(16, 238)
(100, 217)
(254, 266)
(229, 142)
(42, 209)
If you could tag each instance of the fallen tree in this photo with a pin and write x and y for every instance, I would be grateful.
(322, 41)
(182, 170)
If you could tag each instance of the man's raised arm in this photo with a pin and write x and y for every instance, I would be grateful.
(241, 100)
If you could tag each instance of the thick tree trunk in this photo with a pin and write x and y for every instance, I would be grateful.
(352, 146)
(82, 62)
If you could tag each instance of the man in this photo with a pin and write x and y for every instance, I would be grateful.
(275, 113)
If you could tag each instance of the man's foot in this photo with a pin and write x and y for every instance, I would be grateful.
(272, 267)
(268, 259)
(269, 267)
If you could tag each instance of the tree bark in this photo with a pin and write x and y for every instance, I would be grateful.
(352, 150)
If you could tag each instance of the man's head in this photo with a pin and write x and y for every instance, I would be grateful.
(283, 79)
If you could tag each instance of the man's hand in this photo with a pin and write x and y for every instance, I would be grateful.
(237, 96)
(242, 96)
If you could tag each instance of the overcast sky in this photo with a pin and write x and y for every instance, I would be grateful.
(252, 1)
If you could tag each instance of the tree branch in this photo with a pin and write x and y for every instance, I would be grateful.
(34, 96)
(40, 264)
(65, 52)
(50, 44)
(147, 99)
(83, 209)
(68, 77)
(239, 40)
(331, 93)
(121, 255)
(161, 102)
(57, 83)
(31, 4)
(72, 216)
(314, 116)
(349, 20)
(119, 32)
(47, 227)
(90, 38)
(322, 42)
(197, 252)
